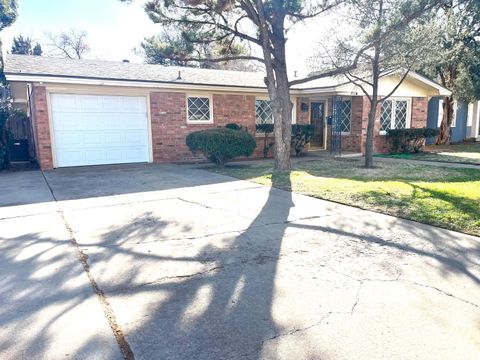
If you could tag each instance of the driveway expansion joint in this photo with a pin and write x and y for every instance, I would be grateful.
(105, 305)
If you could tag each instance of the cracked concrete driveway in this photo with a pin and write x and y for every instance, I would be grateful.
(189, 264)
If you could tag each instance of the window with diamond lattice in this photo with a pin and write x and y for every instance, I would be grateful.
(344, 115)
(198, 109)
(394, 114)
(386, 116)
(263, 112)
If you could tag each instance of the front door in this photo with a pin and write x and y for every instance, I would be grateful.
(317, 120)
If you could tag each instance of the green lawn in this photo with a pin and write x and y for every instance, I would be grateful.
(468, 153)
(446, 197)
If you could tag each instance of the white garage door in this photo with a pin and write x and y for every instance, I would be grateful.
(94, 129)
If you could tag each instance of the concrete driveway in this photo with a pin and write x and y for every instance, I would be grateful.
(171, 262)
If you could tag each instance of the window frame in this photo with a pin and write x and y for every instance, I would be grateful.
(392, 116)
(346, 98)
(440, 113)
(210, 108)
(454, 114)
(294, 107)
(260, 98)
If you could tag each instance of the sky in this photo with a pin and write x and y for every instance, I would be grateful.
(115, 28)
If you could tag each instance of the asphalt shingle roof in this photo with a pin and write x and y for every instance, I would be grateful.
(49, 66)
(97, 69)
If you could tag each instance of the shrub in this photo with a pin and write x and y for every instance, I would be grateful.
(409, 140)
(221, 145)
(233, 126)
(301, 136)
(265, 130)
(6, 137)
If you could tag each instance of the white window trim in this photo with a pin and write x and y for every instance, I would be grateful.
(440, 113)
(210, 102)
(454, 115)
(392, 120)
(294, 107)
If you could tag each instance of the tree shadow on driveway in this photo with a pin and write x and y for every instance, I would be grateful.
(221, 312)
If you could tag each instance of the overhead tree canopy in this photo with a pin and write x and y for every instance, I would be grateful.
(8, 13)
(170, 45)
(454, 58)
(23, 46)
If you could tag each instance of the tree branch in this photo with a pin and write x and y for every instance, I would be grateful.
(339, 70)
(396, 86)
(221, 59)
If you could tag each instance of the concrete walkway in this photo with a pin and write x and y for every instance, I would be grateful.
(195, 265)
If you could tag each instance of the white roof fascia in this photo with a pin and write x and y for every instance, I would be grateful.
(129, 83)
(441, 90)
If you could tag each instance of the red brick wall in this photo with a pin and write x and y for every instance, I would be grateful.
(355, 141)
(169, 124)
(42, 128)
(303, 117)
(169, 121)
(381, 144)
(419, 112)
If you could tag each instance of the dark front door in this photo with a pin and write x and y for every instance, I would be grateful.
(317, 120)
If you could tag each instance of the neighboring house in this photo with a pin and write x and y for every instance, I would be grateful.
(465, 123)
(473, 121)
(97, 112)
(458, 128)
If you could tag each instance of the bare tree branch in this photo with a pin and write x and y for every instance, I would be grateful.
(72, 44)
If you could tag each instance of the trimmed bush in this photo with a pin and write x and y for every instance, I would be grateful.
(221, 145)
(301, 136)
(409, 140)
(233, 126)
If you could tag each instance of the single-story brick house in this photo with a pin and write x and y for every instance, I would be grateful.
(88, 112)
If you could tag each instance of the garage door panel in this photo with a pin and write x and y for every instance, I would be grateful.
(70, 157)
(92, 122)
(64, 103)
(90, 103)
(134, 105)
(115, 155)
(134, 153)
(93, 139)
(66, 120)
(112, 103)
(69, 139)
(99, 131)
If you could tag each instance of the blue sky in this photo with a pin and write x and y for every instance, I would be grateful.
(115, 28)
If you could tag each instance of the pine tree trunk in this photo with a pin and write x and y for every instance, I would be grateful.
(444, 134)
